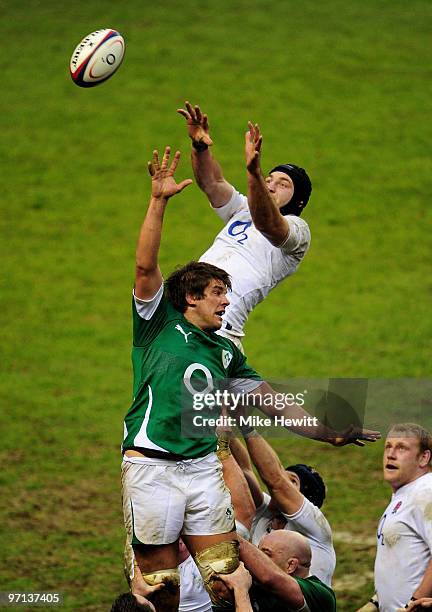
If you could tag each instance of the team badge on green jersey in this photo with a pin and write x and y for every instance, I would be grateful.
(226, 358)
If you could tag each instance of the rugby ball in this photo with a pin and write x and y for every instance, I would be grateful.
(97, 57)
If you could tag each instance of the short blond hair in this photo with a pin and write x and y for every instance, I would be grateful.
(413, 430)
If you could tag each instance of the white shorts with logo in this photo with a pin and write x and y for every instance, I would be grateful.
(164, 499)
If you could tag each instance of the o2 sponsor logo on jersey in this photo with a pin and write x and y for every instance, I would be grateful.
(238, 229)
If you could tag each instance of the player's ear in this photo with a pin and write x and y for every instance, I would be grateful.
(191, 300)
(425, 458)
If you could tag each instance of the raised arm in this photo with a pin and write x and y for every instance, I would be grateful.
(271, 470)
(207, 171)
(241, 496)
(263, 208)
(242, 458)
(296, 419)
(148, 277)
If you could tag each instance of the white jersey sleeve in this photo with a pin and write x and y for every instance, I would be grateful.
(235, 204)
(147, 308)
(298, 238)
(311, 522)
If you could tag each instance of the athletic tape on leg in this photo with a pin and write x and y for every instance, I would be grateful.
(167, 576)
(222, 558)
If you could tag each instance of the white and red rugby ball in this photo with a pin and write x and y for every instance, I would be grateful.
(97, 57)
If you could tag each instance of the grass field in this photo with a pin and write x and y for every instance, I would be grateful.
(343, 88)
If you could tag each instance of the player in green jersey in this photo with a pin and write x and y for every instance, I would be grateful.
(172, 484)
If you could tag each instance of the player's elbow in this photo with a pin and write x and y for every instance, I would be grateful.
(144, 269)
(273, 232)
(275, 478)
(285, 588)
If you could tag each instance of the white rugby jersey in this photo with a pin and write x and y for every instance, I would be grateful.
(312, 524)
(193, 595)
(404, 543)
(254, 264)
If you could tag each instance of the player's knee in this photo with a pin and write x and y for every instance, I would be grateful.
(221, 558)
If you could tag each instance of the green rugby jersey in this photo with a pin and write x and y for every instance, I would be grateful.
(318, 596)
(171, 359)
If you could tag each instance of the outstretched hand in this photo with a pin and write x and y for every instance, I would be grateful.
(355, 435)
(253, 142)
(163, 183)
(197, 123)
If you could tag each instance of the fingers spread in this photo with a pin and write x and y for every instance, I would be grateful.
(190, 110)
(184, 184)
(184, 112)
(175, 162)
(165, 158)
(155, 160)
(198, 113)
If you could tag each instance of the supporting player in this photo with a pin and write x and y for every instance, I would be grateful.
(281, 571)
(264, 239)
(296, 496)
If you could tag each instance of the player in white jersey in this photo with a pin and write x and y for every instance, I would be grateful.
(297, 494)
(264, 239)
(403, 564)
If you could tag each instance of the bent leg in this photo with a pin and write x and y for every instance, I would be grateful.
(215, 554)
(158, 565)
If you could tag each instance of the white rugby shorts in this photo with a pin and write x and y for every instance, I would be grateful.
(165, 499)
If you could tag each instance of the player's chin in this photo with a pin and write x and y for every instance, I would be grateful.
(390, 475)
(217, 322)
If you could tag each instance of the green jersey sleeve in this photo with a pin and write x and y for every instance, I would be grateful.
(319, 597)
(239, 367)
(149, 317)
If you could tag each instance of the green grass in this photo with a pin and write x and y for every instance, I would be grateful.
(344, 89)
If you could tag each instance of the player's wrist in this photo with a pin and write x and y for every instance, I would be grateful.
(247, 431)
(158, 199)
(199, 145)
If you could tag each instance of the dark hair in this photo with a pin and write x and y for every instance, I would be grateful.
(311, 484)
(192, 279)
(126, 602)
(302, 188)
